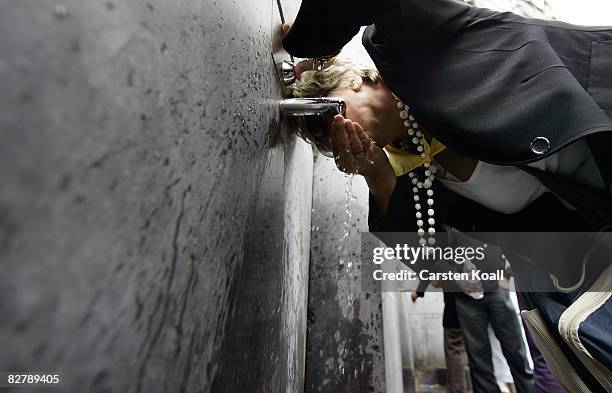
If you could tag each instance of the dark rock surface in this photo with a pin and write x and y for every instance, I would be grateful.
(154, 216)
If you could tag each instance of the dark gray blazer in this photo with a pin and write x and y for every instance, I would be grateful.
(495, 86)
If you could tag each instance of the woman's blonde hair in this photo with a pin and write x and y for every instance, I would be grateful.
(341, 73)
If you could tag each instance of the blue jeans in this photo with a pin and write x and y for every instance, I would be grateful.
(474, 317)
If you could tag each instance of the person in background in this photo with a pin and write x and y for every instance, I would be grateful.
(500, 365)
(454, 348)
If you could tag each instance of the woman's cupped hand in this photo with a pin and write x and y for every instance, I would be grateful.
(355, 152)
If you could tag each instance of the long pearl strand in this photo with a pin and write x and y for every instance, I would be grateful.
(425, 238)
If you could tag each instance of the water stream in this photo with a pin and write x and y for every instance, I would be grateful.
(343, 244)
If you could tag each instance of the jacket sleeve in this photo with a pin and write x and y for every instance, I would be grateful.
(323, 27)
(423, 21)
(400, 214)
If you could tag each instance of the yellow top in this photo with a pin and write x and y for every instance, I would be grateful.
(403, 162)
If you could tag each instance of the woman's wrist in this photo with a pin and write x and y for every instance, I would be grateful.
(381, 185)
(379, 175)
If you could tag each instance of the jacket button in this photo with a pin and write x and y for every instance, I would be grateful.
(540, 145)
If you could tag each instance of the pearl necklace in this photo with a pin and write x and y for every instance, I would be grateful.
(430, 169)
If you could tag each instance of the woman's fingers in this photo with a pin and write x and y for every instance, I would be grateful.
(366, 141)
(350, 144)
(357, 149)
(301, 67)
(368, 155)
(286, 27)
(348, 158)
(340, 144)
(336, 130)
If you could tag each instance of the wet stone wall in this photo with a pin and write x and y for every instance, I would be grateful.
(154, 212)
(345, 321)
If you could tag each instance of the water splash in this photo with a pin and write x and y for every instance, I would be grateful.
(348, 198)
